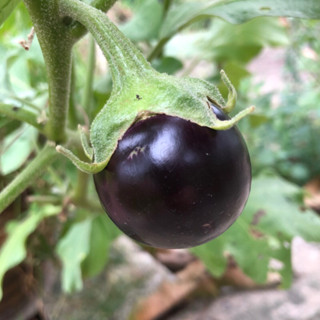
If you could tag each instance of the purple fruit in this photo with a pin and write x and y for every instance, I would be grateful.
(174, 184)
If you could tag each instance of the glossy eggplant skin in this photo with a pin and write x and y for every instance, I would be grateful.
(174, 184)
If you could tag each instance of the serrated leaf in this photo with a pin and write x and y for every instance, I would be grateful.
(145, 23)
(237, 11)
(13, 250)
(103, 232)
(72, 249)
(6, 7)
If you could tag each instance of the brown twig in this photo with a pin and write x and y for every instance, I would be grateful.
(26, 44)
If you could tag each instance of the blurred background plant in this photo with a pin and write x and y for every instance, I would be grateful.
(45, 236)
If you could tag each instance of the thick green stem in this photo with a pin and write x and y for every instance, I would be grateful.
(125, 60)
(21, 114)
(56, 44)
(25, 178)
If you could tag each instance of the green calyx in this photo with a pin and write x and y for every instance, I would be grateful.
(140, 92)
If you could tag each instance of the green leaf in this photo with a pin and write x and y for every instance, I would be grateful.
(236, 242)
(6, 7)
(283, 254)
(258, 119)
(6, 60)
(282, 215)
(225, 42)
(242, 42)
(167, 65)
(264, 231)
(7, 126)
(18, 24)
(17, 147)
(72, 249)
(103, 232)
(13, 250)
(212, 254)
(145, 23)
(253, 263)
(19, 74)
(236, 11)
(21, 71)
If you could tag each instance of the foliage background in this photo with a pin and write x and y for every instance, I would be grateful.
(282, 137)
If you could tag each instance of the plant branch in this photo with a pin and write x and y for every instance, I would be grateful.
(123, 63)
(157, 51)
(21, 114)
(25, 102)
(53, 199)
(78, 30)
(57, 37)
(25, 178)
(56, 44)
(80, 192)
